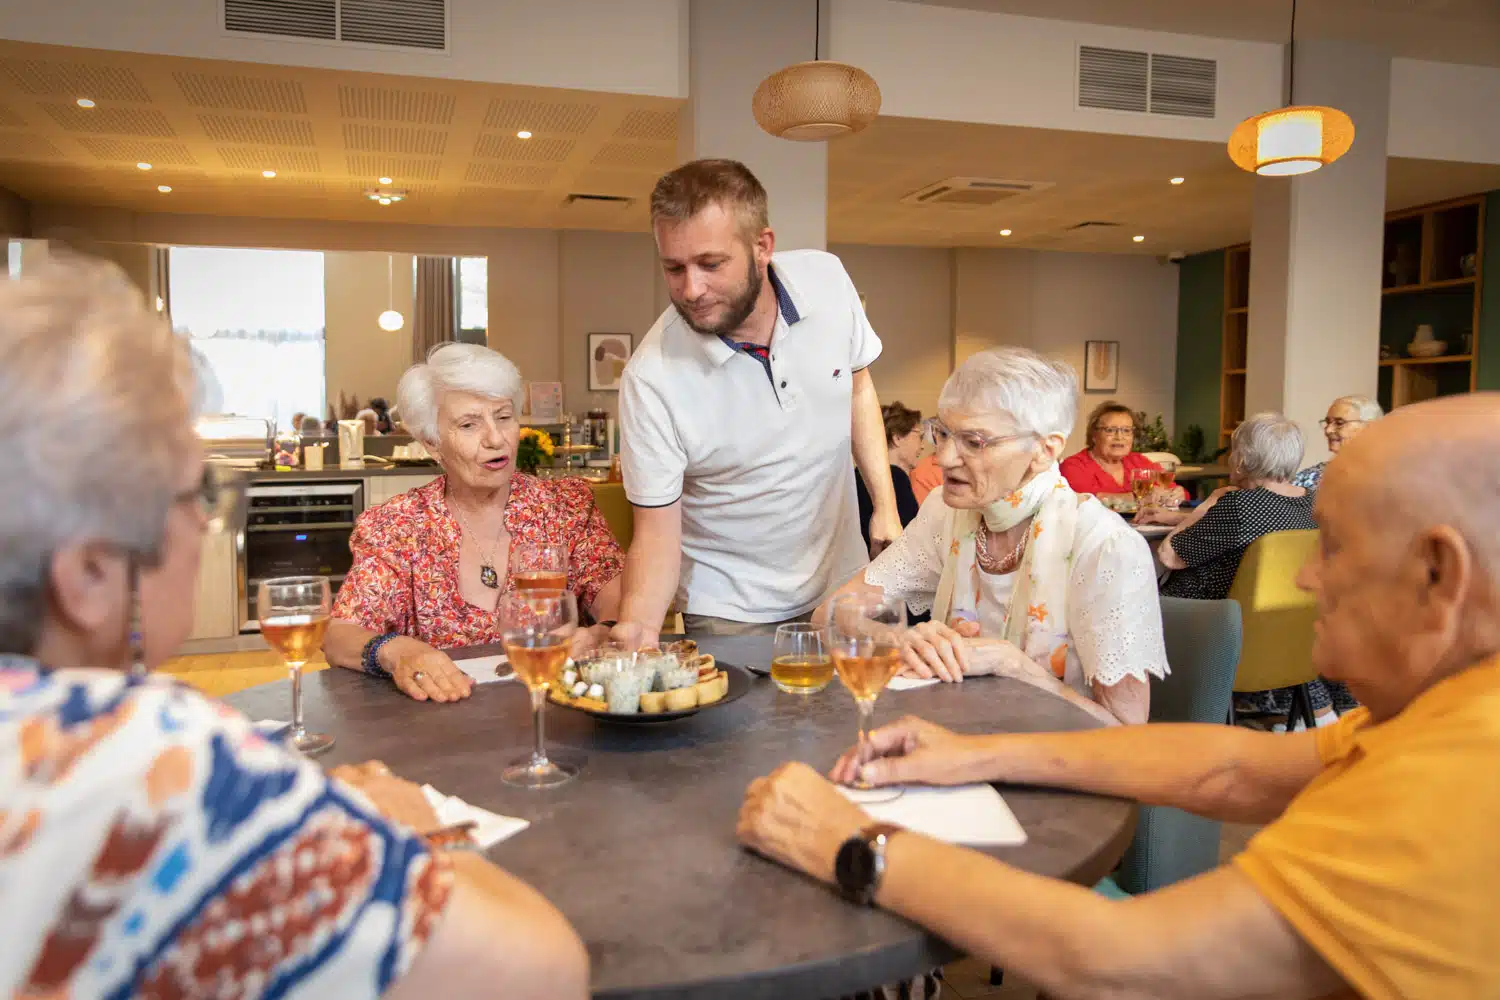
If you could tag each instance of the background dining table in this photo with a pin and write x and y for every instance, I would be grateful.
(639, 851)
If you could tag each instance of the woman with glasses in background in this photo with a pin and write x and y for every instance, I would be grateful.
(1024, 576)
(151, 842)
(903, 442)
(1106, 464)
(1347, 416)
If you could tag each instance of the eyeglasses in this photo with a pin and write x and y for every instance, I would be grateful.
(968, 443)
(1337, 423)
(1117, 431)
(217, 495)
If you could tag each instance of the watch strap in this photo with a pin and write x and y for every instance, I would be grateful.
(861, 862)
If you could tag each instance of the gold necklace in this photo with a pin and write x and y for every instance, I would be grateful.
(1008, 562)
(487, 574)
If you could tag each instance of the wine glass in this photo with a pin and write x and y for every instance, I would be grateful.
(1142, 482)
(293, 612)
(799, 658)
(536, 628)
(539, 566)
(865, 632)
(1167, 494)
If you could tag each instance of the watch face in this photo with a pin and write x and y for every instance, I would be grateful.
(854, 868)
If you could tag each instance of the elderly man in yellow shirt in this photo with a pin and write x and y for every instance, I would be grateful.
(1375, 874)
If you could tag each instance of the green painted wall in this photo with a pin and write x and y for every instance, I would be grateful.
(1487, 339)
(1200, 322)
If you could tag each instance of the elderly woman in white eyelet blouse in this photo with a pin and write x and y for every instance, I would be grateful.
(1024, 577)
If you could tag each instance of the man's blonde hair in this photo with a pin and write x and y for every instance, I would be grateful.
(692, 187)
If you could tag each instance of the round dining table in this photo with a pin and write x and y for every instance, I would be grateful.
(639, 850)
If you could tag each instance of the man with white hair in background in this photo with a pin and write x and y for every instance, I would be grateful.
(1371, 877)
(738, 414)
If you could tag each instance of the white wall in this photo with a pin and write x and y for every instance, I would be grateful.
(1054, 302)
(1444, 111)
(974, 66)
(359, 358)
(909, 298)
(609, 284)
(624, 46)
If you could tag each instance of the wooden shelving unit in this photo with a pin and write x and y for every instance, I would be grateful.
(1234, 355)
(1433, 262)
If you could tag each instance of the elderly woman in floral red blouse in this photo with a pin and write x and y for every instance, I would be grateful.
(430, 565)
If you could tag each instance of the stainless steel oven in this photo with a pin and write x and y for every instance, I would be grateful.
(296, 530)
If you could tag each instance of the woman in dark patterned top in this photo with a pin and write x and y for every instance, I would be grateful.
(1205, 547)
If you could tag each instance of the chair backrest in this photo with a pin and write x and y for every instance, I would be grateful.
(613, 504)
(1278, 617)
(1163, 458)
(1203, 647)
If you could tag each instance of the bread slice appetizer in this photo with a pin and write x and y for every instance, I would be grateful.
(681, 699)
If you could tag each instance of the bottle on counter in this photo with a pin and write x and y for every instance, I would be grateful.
(597, 424)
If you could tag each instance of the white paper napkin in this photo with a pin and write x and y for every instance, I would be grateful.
(490, 828)
(907, 683)
(482, 668)
(274, 730)
(975, 815)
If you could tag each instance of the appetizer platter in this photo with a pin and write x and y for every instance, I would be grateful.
(649, 685)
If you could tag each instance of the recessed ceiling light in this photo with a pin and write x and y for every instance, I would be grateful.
(1005, 232)
(1178, 180)
(268, 173)
(84, 102)
(1139, 239)
(164, 188)
(143, 166)
(385, 180)
(384, 201)
(523, 134)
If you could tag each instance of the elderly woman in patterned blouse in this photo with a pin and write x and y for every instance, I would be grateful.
(430, 565)
(1024, 577)
(151, 842)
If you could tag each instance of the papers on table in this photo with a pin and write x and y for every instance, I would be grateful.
(482, 669)
(273, 730)
(974, 815)
(1153, 531)
(907, 683)
(490, 828)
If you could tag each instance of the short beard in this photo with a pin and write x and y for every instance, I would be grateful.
(740, 307)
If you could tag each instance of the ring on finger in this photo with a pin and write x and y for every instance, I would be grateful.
(418, 676)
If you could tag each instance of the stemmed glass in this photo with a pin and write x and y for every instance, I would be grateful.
(1142, 482)
(536, 628)
(293, 613)
(539, 566)
(865, 632)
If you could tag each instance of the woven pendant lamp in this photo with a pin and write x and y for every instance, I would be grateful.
(813, 101)
(1296, 139)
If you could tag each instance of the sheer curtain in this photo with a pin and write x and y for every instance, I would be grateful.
(434, 321)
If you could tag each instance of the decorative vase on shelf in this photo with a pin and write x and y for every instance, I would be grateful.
(1467, 264)
(1423, 345)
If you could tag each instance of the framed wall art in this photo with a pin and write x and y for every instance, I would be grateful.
(1101, 365)
(608, 353)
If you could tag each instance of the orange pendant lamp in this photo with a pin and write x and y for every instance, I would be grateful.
(813, 101)
(1296, 139)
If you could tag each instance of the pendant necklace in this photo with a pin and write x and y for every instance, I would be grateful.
(487, 574)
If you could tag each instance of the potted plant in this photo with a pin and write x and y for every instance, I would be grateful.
(535, 445)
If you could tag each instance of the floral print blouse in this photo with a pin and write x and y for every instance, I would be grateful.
(405, 573)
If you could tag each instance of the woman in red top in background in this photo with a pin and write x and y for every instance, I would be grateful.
(1106, 464)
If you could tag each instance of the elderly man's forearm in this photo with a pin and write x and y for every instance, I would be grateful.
(1214, 771)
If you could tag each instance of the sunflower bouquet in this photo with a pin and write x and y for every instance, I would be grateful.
(535, 445)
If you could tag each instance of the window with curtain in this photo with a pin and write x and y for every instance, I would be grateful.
(473, 299)
(255, 321)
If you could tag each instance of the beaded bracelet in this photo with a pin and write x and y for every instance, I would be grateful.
(369, 659)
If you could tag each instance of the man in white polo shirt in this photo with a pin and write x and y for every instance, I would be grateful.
(738, 414)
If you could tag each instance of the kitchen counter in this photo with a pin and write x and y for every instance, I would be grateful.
(325, 475)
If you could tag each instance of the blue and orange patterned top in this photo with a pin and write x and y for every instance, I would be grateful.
(153, 844)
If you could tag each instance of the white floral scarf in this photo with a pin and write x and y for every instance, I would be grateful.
(1037, 618)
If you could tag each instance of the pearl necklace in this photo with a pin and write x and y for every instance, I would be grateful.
(1005, 564)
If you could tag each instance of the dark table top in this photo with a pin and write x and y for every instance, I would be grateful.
(639, 850)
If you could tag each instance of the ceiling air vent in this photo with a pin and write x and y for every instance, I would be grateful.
(971, 192)
(1092, 224)
(1147, 82)
(407, 24)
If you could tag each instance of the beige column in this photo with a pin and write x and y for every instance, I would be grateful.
(1315, 252)
(732, 46)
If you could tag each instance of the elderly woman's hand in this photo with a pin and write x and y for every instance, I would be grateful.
(425, 673)
(911, 750)
(396, 799)
(1160, 515)
(933, 649)
(797, 818)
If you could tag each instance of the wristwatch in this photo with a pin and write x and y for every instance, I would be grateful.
(860, 863)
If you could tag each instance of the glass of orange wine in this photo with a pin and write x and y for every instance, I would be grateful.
(539, 566)
(1142, 482)
(293, 612)
(865, 639)
(536, 628)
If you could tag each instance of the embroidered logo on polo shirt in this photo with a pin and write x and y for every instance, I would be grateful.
(837, 372)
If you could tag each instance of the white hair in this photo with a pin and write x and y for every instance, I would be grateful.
(452, 367)
(1267, 446)
(79, 349)
(1367, 409)
(1040, 394)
